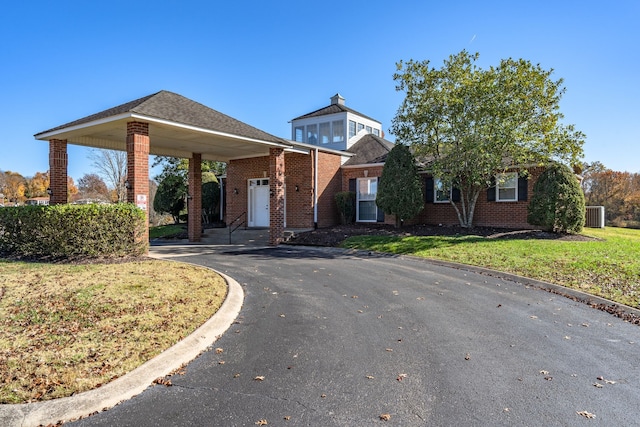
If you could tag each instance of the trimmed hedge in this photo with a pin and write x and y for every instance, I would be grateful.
(72, 231)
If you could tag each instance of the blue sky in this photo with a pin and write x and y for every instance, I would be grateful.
(267, 62)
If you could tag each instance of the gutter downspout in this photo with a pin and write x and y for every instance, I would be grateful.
(315, 191)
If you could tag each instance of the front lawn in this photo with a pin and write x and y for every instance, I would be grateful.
(607, 266)
(69, 328)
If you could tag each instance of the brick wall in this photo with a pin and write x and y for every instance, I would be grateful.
(195, 198)
(371, 172)
(298, 173)
(488, 214)
(58, 162)
(138, 165)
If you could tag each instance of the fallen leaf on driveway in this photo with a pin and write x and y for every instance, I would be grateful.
(543, 372)
(259, 378)
(586, 414)
(385, 417)
(401, 377)
(467, 356)
(389, 349)
(598, 385)
(219, 350)
(533, 317)
(261, 423)
(281, 315)
(369, 377)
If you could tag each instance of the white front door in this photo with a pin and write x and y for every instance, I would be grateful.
(258, 203)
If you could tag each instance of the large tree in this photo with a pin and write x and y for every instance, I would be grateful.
(111, 166)
(470, 123)
(91, 186)
(399, 189)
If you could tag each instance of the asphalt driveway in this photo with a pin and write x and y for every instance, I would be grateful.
(328, 338)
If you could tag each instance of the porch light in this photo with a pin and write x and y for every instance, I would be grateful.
(127, 184)
(49, 191)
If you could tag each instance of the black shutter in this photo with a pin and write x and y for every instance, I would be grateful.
(491, 191)
(522, 188)
(380, 214)
(428, 190)
(352, 189)
(455, 194)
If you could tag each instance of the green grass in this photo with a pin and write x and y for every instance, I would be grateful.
(608, 266)
(165, 231)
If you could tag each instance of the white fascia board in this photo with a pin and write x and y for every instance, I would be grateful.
(49, 135)
(208, 131)
(366, 165)
(306, 146)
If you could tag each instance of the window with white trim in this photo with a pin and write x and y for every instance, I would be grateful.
(507, 187)
(376, 132)
(298, 134)
(366, 209)
(312, 134)
(360, 127)
(441, 191)
(338, 130)
(352, 128)
(325, 132)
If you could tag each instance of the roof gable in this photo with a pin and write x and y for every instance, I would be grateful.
(333, 109)
(171, 107)
(369, 149)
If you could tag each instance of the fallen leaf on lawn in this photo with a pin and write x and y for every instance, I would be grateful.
(261, 423)
(219, 350)
(401, 377)
(259, 378)
(385, 417)
(586, 414)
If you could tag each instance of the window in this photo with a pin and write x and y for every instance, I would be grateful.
(338, 131)
(369, 130)
(325, 132)
(360, 127)
(312, 134)
(376, 132)
(352, 128)
(507, 187)
(366, 209)
(441, 191)
(298, 134)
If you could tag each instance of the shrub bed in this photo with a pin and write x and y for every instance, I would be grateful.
(72, 231)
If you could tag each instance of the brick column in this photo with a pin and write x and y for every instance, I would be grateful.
(58, 162)
(194, 199)
(138, 168)
(276, 187)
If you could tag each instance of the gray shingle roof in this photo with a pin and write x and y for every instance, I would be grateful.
(333, 109)
(176, 108)
(369, 149)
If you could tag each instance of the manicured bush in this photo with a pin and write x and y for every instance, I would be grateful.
(346, 204)
(558, 201)
(71, 231)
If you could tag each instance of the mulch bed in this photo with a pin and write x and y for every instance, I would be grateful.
(334, 236)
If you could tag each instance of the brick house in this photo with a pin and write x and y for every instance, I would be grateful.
(274, 182)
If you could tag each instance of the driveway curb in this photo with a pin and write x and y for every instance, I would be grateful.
(136, 381)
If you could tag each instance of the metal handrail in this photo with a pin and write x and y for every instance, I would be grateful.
(244, 222)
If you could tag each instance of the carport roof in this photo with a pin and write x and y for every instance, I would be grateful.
(178, 127)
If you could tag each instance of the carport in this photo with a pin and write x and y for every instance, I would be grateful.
(168, 124)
